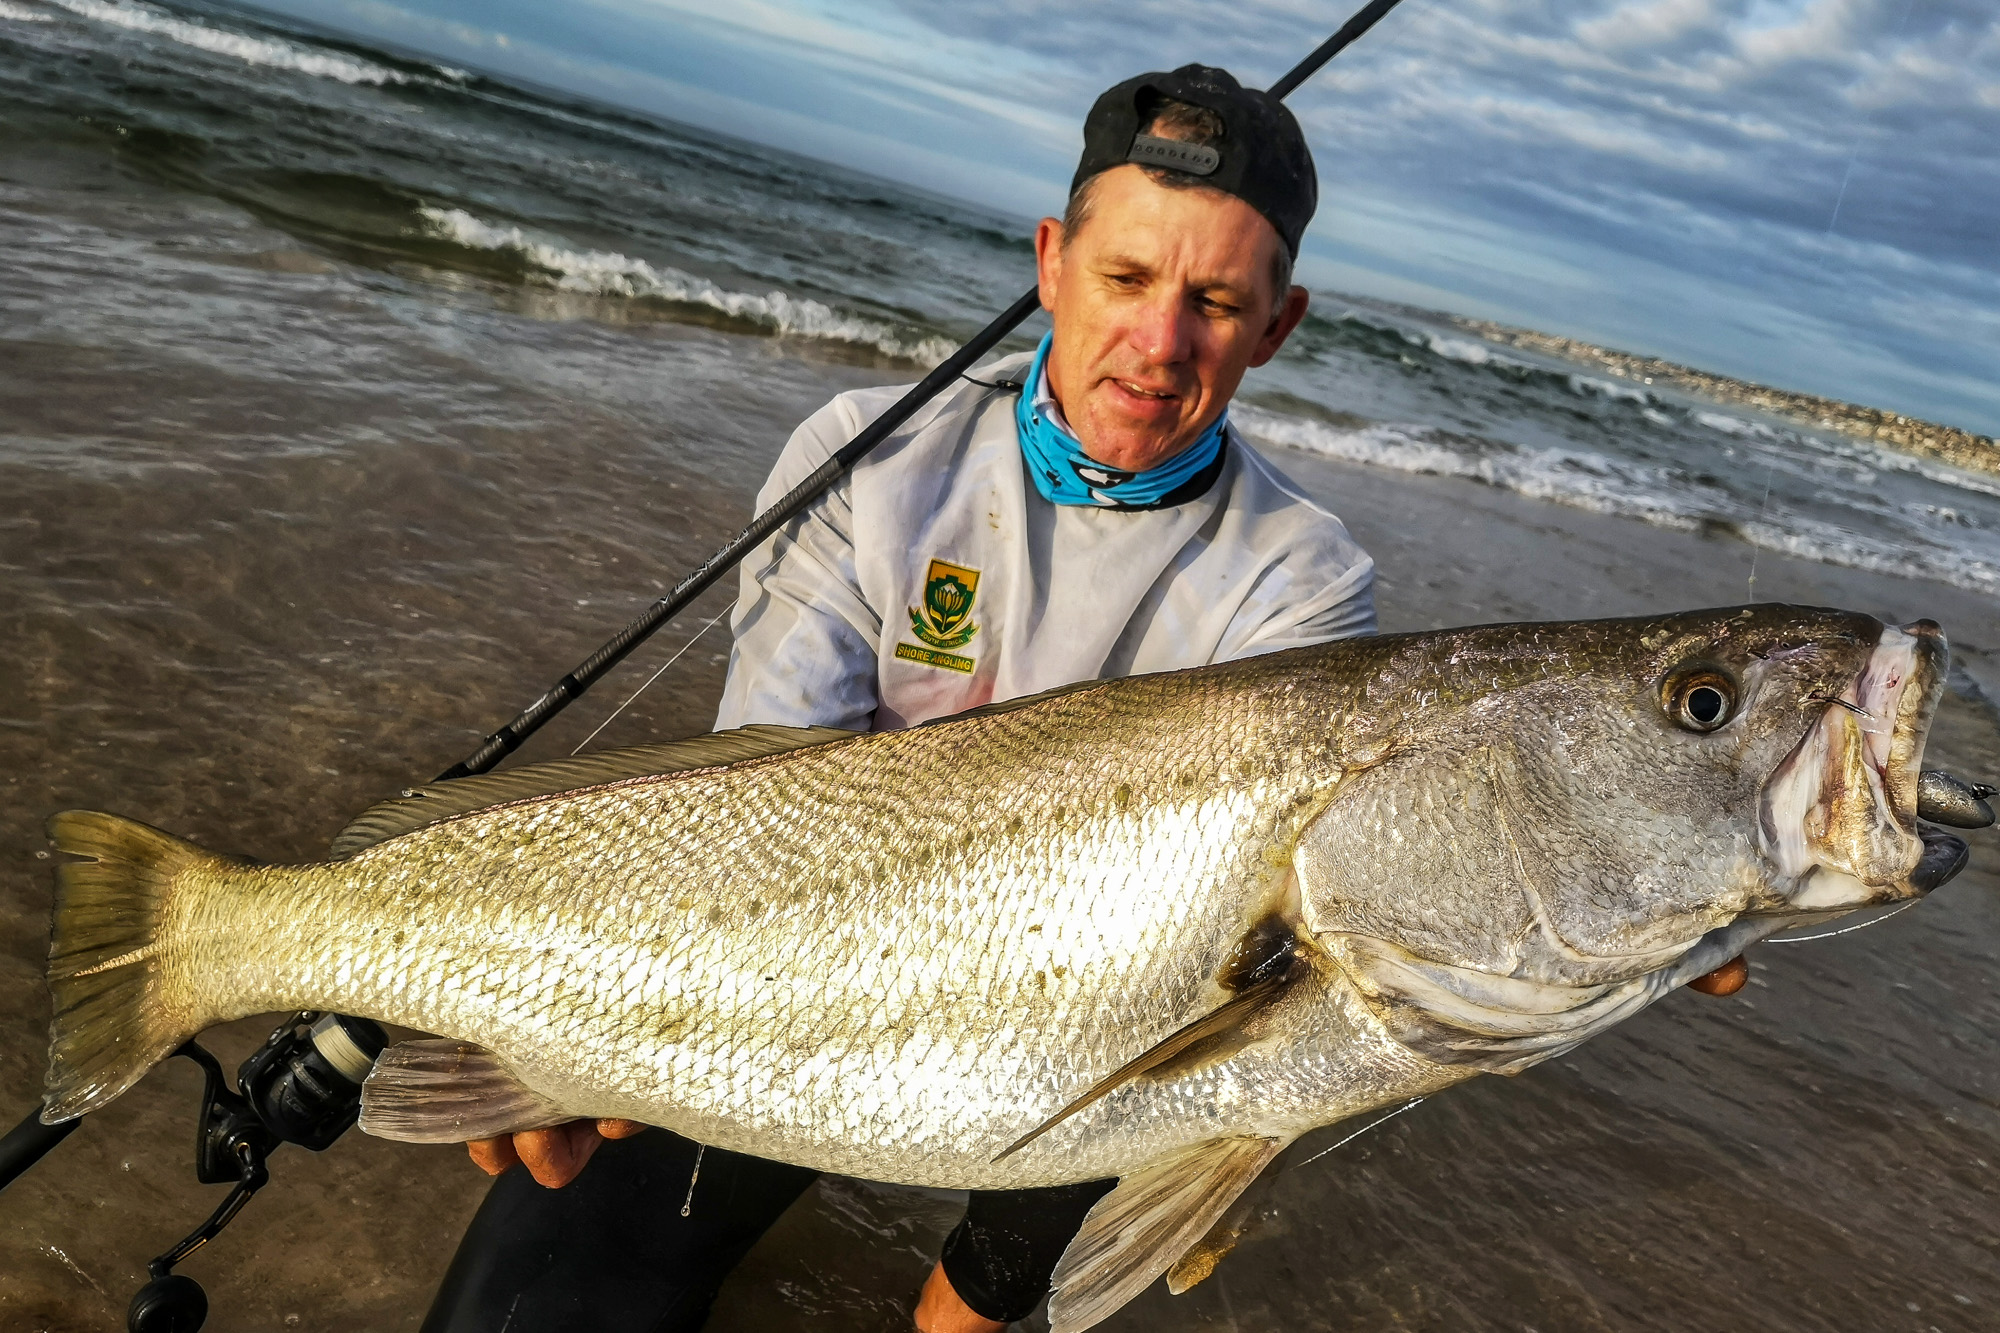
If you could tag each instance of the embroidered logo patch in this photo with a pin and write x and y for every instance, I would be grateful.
(944, 620)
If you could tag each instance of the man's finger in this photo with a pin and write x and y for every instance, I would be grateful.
(1725, 980)
(492, 1155)
(555, 1155)
(618, 1129)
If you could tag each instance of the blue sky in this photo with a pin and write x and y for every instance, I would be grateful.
(1802, 192)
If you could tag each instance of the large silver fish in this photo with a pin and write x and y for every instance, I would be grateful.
(1154, 928)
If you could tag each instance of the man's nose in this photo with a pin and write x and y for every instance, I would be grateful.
(1162, 330)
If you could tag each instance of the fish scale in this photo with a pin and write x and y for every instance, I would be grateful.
(1147, 879)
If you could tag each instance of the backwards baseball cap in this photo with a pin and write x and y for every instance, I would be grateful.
(1261, 157)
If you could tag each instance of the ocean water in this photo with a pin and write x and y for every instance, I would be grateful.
(347, 398)
(443, 177)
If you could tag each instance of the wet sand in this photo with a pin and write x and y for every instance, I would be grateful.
(249, 626)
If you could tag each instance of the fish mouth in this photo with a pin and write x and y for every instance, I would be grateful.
(1839, 815)
(1945, 854)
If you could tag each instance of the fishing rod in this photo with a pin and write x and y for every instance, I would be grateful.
(304, 1084)
(571, 687)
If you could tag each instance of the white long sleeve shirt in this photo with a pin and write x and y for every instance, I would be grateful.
(935, 578)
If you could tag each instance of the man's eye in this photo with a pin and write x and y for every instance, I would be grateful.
(1126, 280)
(1220, 309)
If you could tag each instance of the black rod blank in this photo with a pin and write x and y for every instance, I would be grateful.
(29, 1142)
(1350, 32)
(567, 690)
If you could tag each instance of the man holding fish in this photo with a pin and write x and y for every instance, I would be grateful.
(1080, 513)
(1098, 956)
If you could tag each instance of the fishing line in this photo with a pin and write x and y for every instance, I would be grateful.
(1841, 198)
(1854, 152)
(777, 541)
(1770, 475)
(1845, 930)
(1833, 219)
(1383, 1120)
(650, 679)
(687, 1204)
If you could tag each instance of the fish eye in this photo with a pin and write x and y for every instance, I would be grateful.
(1701, 699)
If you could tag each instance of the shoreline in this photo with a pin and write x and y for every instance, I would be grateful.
(1612, 565)
(1914, 436)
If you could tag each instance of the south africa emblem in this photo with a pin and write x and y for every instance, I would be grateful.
(944, 620)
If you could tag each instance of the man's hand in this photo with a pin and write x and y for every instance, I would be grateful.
(1725, 980)
(939, 1310)
(554, 1155)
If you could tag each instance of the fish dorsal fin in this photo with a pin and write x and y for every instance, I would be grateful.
(1136, 1232)
(1014, 705)
(1266, 962)
(435, 801)
(450, 1092)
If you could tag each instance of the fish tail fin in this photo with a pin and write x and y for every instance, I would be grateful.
(114, 1018)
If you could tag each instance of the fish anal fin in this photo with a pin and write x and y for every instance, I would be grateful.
(1138, 1231)
(437, 801)
(1229, 1229)
(1264, 965)
(449, 1092)
(1194, 1267)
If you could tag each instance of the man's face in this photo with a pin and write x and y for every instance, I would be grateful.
(1161, 300)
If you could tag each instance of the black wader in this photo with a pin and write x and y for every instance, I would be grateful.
(611, 1253)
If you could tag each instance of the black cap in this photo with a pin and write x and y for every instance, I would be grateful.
(1261, 157)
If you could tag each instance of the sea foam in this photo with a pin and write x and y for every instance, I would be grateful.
(607, 273)
(265, 51)
(1463, 350)
(1664, 497)
(21, 15)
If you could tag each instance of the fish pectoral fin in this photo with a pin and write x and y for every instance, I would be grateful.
(1137, 1232)
(1263, 968)
(1202, 1037)
(437, 801)
(450, 1092)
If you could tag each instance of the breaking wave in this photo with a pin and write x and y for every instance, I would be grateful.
(1468, 352)
(1369, 332)
(270, 52)
(1864, 457)
(1663, 496)
(1567, 476)
(20, 15)
(1463, 350)
(606, 273)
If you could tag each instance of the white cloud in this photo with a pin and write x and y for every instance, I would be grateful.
(1645, 23)
(1543, 121)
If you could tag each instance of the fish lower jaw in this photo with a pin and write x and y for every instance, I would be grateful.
(1838, 817)
(1826, 890)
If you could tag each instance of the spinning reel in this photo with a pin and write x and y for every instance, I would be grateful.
(301, 1086)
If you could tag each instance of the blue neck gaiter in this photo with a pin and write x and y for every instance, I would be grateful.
(1065, 475)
